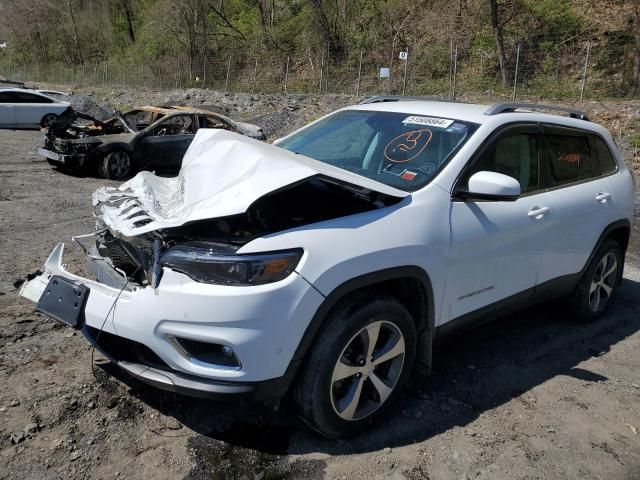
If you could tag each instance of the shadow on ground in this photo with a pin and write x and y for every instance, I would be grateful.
(474, 373)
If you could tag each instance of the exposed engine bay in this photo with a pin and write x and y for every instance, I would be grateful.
(307, 202)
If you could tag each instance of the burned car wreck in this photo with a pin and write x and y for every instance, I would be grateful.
(146, 138)
(165, 243)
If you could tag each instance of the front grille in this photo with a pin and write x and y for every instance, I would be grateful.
(123, 349)
(134, 256)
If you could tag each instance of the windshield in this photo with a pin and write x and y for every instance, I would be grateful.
(401, 150)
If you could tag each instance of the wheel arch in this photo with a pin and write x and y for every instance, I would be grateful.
(107, 148)
(410, 285)
(42, 125)
(620, 231)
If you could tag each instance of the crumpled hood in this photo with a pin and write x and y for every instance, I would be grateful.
(109, 138)
(222, 174)
(250, 130)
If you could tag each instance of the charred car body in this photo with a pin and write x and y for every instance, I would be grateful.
(147, 138)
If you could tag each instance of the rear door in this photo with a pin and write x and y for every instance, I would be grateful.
(31, 107)
(496, 245)
(7, 109)
(581, 200)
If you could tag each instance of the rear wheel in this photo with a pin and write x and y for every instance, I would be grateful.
(598, 286)
(116, 165)
(359, 364)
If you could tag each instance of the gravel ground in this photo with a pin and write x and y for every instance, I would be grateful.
(530, 396)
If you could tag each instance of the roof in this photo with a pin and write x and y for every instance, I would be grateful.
(478, 113)
(168, 110)
(17, 89)
(460, 111)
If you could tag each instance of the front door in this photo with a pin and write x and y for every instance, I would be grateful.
(163, 147)
(496, 245)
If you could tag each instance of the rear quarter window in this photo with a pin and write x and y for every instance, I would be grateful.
(570, 159)
(606, 161)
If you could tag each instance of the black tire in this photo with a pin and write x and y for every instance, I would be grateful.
(116, 165)
(319, 398)
(47, 120)
(597, 287)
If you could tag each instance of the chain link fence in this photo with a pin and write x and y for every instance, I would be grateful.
(567, 73)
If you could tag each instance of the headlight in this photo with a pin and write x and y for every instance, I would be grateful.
(208, 264)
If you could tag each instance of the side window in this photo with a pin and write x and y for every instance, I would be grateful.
(175, 125)
(138, 118)
(570, 159)
(212, 122)
(606, 161)
(513, 155)
(23, 97)
(7, 97)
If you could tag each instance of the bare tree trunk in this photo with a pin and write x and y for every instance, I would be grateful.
(75, 33)
(128, 15)
(636, 51)
(497, 33)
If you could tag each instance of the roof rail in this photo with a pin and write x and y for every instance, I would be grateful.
(400, 98)
(497, 108)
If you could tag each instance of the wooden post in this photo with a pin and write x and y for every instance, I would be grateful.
(406, 62)
(255, 73)
(455, 73)
(359, 74)
(286, 75)
(515, 75)
(226, 81)
(584, 72)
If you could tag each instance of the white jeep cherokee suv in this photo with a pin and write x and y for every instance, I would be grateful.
(329, 265)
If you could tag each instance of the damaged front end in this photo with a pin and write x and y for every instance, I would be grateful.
(74, 136)
(173, 276)
(212, 244)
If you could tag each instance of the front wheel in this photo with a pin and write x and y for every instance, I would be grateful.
(47, 120)
(598, 286)
(359, 364)
(116, 165)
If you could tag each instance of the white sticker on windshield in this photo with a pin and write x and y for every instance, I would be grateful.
(428, 121)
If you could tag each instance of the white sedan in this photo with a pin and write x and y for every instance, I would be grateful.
(22, 108)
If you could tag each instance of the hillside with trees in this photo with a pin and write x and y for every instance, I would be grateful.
(551, 41)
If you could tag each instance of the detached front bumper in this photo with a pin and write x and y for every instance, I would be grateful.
(263, 325)
(55, 156)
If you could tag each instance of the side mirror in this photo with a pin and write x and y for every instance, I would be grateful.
(491, 186)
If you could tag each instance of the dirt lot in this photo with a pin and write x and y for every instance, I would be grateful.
(530, 396)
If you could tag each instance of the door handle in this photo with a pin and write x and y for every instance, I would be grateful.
(538, 212)
(602, 197)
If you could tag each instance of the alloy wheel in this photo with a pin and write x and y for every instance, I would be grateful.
(603, 282)
(119, 164)
(367, 370)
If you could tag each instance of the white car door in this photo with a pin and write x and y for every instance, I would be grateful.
(581, 199)
(496, 245)
(32, 107)
(7, 109)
